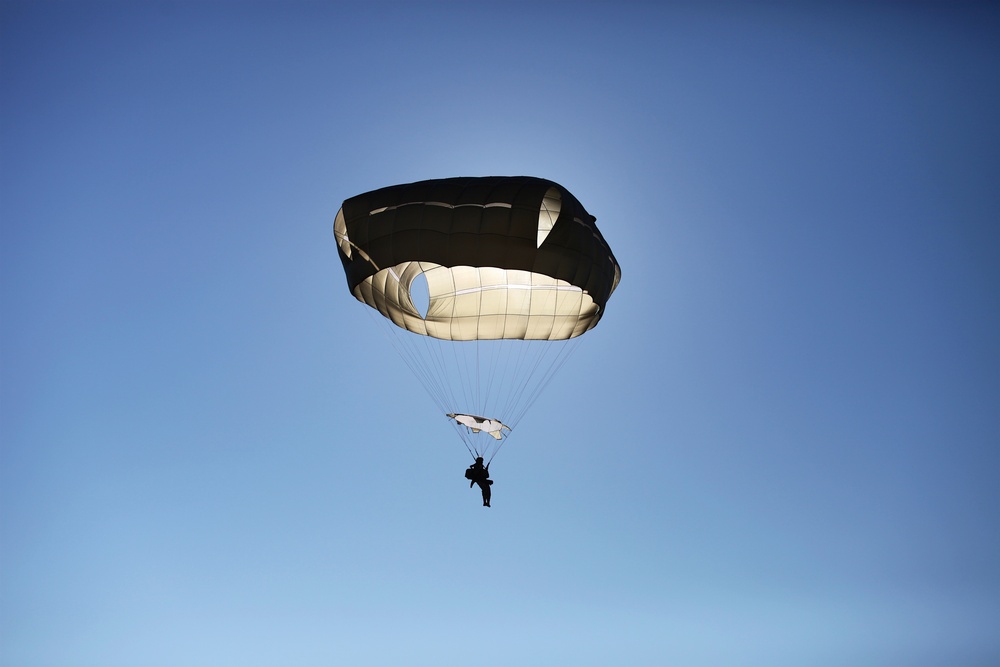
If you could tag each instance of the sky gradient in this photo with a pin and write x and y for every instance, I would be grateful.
(780, 446)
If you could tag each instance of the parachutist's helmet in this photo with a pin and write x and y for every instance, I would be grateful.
(479, 459)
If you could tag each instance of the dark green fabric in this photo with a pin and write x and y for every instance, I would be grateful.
(475, 236)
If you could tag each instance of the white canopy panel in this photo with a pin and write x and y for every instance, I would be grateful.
(476, 424)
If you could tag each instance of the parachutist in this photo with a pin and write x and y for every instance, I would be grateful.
(479, 474)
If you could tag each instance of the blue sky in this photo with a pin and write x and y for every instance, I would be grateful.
(780, 446)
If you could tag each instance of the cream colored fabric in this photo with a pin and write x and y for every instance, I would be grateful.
(481, 303)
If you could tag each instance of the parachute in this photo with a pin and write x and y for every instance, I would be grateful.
(483, 286)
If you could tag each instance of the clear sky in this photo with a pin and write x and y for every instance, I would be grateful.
(780, 447)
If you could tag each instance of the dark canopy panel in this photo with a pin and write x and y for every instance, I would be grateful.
(504, 257)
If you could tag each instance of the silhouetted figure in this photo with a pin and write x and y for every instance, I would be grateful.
(479, 474)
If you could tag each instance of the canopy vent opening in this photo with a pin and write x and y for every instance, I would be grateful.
(420, 294)
(548, 213)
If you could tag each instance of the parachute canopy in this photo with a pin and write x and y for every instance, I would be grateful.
(499, 276)
(503, 258)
